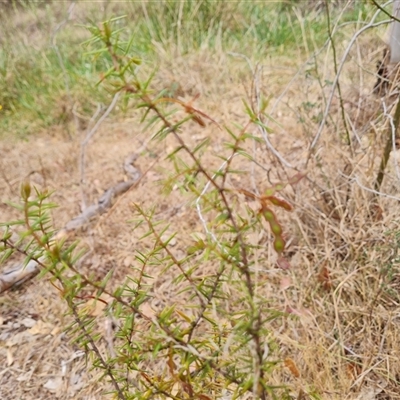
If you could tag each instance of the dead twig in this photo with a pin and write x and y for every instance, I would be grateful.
(89, 135)
(21, 273)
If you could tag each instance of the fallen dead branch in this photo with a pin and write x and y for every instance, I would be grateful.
(21, 273)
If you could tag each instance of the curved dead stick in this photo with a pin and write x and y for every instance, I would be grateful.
(20, 273)
(105, 201)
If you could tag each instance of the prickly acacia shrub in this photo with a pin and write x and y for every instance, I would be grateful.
(216, 342)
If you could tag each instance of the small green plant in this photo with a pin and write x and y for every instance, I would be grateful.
(45, 81)
(214, 338)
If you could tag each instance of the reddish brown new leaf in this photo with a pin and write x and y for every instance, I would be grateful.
(324, 278)
(189, 109)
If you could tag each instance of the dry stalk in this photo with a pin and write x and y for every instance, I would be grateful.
(392, 133)
(340, 66)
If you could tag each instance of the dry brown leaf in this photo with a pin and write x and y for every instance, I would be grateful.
(283, 263)
(55, 331)
(290, 364)
(324, 278)
(41, 328)
(353, 370)
(285, 283)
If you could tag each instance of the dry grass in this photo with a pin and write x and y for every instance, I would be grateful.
(342, 289)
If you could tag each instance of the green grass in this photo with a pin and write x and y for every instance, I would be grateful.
(33, 85)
